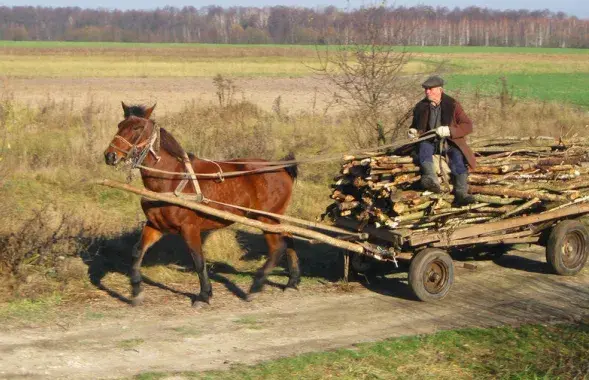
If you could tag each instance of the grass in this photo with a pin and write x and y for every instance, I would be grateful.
(56, 148)
(526, 352)
(30, 310)
(130, 344)
(557, 87)
(418, 49)
(59, 173)
(249, 322)
(187, 331)
(125, 66)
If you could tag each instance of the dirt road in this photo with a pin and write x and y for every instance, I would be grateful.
(515, 289)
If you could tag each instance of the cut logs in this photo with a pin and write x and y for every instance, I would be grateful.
(514, 177)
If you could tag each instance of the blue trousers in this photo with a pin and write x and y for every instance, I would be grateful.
(457, 161)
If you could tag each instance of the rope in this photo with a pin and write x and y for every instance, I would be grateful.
(220, 172)
(331, 157)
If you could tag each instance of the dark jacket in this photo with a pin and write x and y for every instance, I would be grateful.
(453, 116)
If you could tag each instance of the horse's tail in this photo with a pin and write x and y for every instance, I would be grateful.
(293, 170)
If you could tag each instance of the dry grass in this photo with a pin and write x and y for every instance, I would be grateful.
(56, 149)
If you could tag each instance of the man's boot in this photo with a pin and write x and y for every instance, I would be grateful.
(461, 195)
(429, 178)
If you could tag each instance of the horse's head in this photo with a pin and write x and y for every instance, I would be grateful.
(135, 137)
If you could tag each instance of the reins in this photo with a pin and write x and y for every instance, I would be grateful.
(282, 164)
(190, 176)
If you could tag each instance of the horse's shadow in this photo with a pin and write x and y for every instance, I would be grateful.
(113, 255)
(319, 261)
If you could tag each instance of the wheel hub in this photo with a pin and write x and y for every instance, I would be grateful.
(435, 277)
(572, 249)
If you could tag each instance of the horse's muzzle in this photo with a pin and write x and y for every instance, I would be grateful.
(110, 158)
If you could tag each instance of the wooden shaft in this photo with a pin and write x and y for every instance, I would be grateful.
(275, 228)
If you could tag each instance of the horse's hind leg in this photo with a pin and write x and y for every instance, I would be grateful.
(294, 273)
(149, 236)
(192, 237)
(276, 247)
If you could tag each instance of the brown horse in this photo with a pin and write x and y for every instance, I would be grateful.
(139, 139)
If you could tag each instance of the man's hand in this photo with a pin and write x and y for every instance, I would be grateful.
(443, 131)
(412, 133)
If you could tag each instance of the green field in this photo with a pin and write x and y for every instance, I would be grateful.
(570, 88)
(416, 49)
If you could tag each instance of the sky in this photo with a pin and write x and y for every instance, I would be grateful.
(579, 8)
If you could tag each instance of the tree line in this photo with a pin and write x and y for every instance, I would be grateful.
(420, 25)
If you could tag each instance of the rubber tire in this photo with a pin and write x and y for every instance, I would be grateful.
(420, 267)
(555, 246)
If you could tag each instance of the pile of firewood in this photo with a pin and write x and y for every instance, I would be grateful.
(513, 177)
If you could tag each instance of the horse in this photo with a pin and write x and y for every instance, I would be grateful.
(158, 153)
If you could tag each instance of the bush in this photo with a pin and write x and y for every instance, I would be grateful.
(43, 242)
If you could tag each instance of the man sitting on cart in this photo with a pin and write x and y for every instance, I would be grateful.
(443, 114)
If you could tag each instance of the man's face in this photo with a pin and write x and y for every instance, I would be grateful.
(434, 94)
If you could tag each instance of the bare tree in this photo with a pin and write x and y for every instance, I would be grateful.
(368, 75)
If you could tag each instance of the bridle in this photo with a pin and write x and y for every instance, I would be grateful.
(136, 153)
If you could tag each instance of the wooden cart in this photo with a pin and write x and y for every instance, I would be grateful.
(431, 269)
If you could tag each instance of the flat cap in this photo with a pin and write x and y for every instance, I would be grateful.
(433, 81)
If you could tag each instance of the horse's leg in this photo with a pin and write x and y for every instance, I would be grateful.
(192, 237)
(149, 237)
(294, 273)
(276, 247)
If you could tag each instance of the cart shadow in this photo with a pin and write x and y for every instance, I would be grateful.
(391, 287)
(515, 261)
(506, 257)
(113, 255)
(386, 279)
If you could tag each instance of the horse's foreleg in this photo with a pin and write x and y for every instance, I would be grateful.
(294, 273)
(276, 246)
(192, 237)
(149, 237)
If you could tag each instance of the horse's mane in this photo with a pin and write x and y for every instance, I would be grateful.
(135, 110)
(169, 143)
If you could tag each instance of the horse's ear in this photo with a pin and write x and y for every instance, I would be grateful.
(149, 111)
(126, 112)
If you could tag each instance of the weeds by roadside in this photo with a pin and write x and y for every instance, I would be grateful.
(55, 150)
(526, 352)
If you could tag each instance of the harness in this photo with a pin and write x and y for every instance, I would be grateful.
(149, 146)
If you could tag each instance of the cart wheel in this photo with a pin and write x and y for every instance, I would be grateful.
(431, 274)
(567, 247)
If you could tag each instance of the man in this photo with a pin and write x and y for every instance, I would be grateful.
(444, 115)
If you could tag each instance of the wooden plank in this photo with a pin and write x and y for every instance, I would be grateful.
(487, 228)
(501, 238)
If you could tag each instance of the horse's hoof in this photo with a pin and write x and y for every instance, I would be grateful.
(291, 288)
(199, 305)
(251, 296)
(138, 300)
(200, 302)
